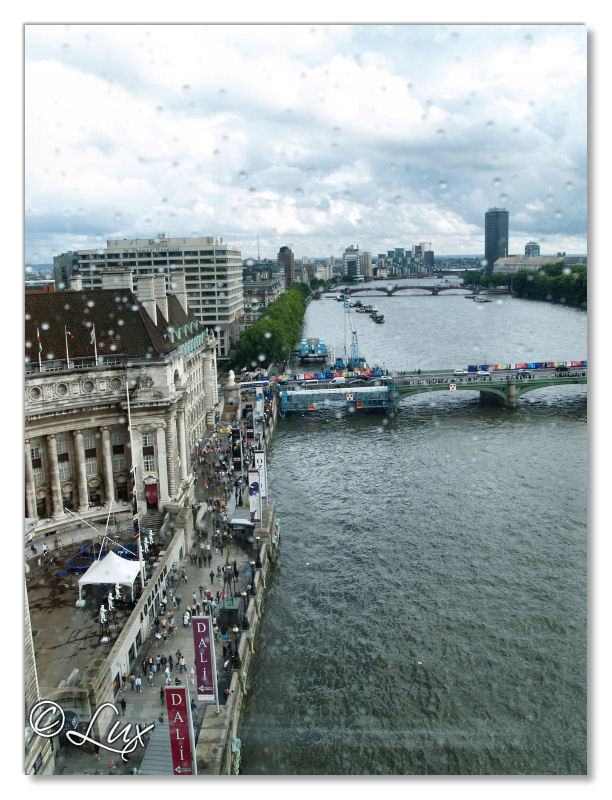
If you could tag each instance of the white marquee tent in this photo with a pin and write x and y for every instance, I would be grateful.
(111, 569)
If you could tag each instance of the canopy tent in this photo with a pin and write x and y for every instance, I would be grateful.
(111, 569)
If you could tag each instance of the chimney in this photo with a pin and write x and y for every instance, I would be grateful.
(179, 288)
(76, 282)
(160, 294)
(145, 292)
(117, 278)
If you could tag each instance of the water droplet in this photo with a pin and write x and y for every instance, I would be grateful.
(569, 186)
(558, 214)
(242, 175)
(490, 123)
(299, 190)
(440, 133)
(117, 217)
(484, 262)
(549, 198)
(443, 185)
(497, 181)
(267, 335)
(186, 88)
(503, 197)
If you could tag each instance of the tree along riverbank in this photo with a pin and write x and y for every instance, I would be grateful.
(553, 283)
(272, 338)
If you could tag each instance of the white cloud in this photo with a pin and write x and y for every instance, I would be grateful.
(329, 134)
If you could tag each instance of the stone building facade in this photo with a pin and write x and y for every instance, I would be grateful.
(86, 352)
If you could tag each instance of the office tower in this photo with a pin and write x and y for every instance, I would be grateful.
(286, 258)
(350, 261)
(213, 275)
(496, 236)
(532, 249)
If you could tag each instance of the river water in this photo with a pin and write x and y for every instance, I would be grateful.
(427, 614)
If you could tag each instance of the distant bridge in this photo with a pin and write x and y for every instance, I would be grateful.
(434, 290)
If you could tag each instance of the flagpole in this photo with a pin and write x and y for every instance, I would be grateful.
(95, 344)
(136, 518)
(66, 340)
(39, 345)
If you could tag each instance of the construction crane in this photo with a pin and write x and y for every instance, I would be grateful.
(351, 346)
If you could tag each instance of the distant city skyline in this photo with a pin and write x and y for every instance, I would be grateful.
(311, 137)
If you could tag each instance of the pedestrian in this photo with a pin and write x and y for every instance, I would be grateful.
(123, 704)
(170, 661)
(182, 665)
(168, 676)
(212, 576)
(201, 591)
(138, 684)
(97, 751)
(132, 680)
(162, 695)
(178, 602)
(194, 597)
(33, 549)
(192, 676)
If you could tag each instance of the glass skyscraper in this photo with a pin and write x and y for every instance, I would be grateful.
(496, 236)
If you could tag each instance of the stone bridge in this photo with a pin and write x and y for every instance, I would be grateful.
(434, 290)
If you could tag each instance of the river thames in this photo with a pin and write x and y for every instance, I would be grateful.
(427, 614)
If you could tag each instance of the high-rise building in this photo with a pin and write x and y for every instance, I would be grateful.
(350, 261)
(365, 264)
(496, 236)
(213, 272)
(532, 250)
(287, 259)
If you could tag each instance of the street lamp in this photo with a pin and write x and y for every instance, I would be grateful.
(236, 662)
(245, 605)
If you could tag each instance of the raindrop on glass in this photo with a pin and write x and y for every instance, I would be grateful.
(497, 181)
(443, 185)
(569, 186)
(558, 214)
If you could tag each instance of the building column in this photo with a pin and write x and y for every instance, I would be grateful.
(29, 483)
(79, 450)
(54, 478)
(162, 463)
(107, 466)
(181, 440)
(171, 452)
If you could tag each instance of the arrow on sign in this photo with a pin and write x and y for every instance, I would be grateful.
(182, 769)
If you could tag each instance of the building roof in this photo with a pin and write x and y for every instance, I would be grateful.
(123, 326)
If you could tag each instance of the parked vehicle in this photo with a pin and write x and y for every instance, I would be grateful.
(460, 372)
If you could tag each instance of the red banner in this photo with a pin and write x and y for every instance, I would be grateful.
(204, 647)
(179, 717)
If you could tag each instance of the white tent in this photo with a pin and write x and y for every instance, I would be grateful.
(111, 569)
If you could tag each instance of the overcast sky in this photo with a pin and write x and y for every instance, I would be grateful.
(315, 137)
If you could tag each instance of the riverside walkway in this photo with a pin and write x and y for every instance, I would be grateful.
(145, 707)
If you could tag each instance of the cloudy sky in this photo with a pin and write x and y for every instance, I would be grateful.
(312, 136)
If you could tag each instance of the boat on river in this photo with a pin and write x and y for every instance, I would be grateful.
(379, 318)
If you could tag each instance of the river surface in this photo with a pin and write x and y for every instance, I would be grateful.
(427, 614)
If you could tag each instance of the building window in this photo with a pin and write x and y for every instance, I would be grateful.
(91, 466)
(117, 437)
(118, 462)
(38, 476)
(148, 463)
(62, 446)
(63, 468)
(147, 440)
(89, 441)
(34, 451)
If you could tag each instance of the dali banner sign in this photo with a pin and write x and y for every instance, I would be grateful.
(260, 465)
(254, 496)
(204, 646)
(181, 730)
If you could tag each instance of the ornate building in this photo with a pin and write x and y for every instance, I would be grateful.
(85, 352)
